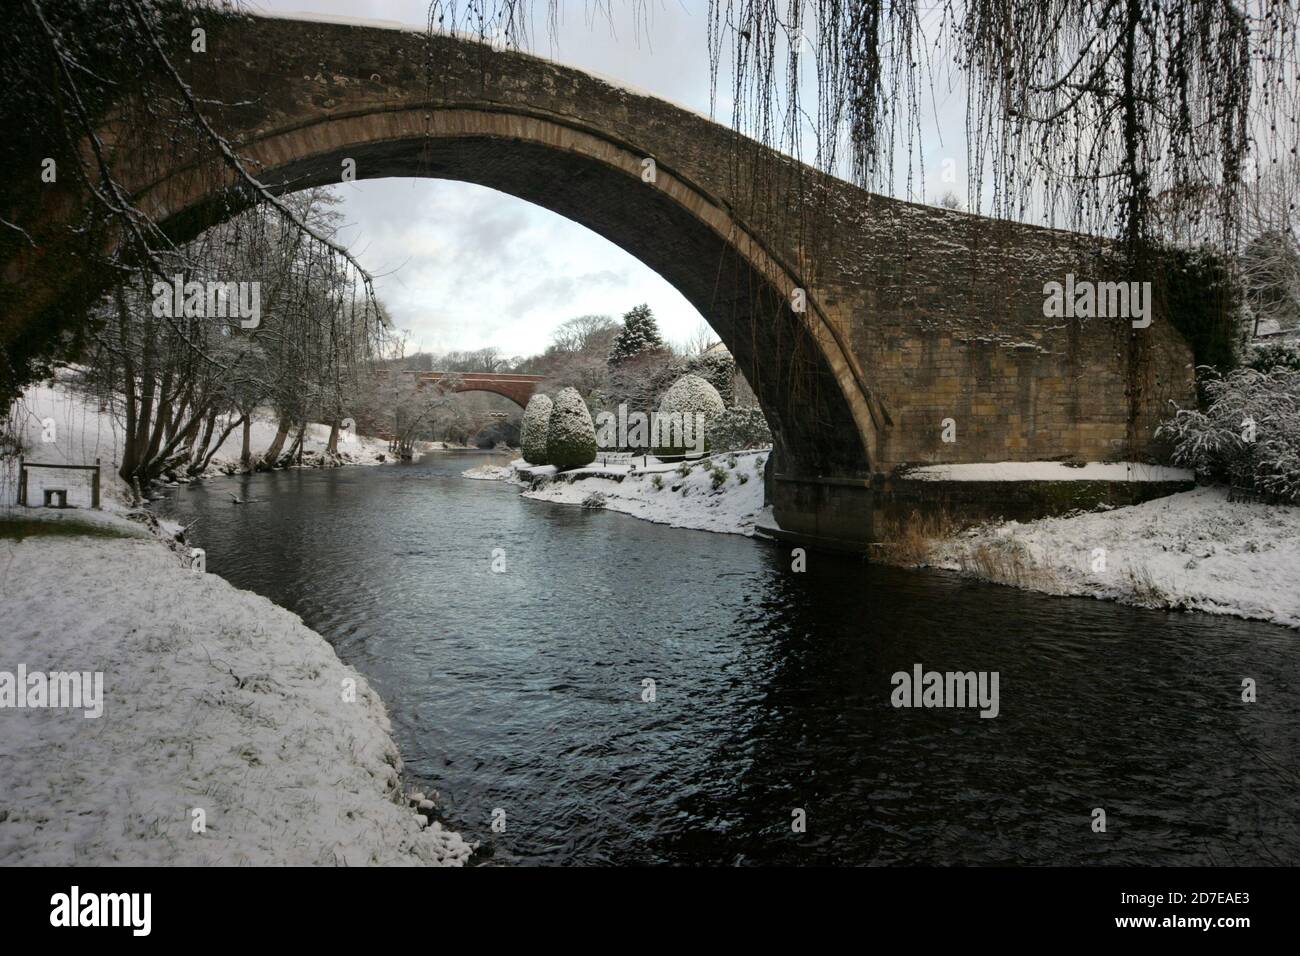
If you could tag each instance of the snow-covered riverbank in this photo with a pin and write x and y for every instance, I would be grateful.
(723, 493)
(219, 708)
(1195, 550)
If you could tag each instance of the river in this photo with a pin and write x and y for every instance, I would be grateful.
(522, 690)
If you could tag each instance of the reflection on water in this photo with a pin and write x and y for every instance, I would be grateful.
(522, 690)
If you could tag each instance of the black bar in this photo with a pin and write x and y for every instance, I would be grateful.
(982, 907)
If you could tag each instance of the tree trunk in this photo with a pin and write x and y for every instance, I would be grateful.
(225, 433)
(162, 424)
(272, 454)
(295, 450)
(245, 453)
(145, 406)
(199, 449)
(128, 387)
(164, 458)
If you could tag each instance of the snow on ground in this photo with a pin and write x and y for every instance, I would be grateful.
(488, 473)
(657, 491)
(82, 431)
(214, 699)
(1050, 471)
(1194, 550)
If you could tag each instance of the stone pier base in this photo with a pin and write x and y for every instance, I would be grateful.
(852, 514)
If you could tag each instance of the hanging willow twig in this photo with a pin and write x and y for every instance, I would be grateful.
(1127, 118)
(78, 72)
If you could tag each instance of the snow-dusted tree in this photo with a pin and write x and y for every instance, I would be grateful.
(577, 356)
(181, 380)
(585, 333)
(640, 365)
(1248, 435)
(537, 420)
(409, 409)
(639, 336)
(1269, 261)
(1270, 272)
(691, 396)
(571, 435)
(701, 339)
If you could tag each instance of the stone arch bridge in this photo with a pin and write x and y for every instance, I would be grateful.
(515, 386)
(871, 330)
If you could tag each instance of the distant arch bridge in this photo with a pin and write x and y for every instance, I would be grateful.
(517, 387)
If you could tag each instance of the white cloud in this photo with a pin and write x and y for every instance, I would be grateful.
(462, 266)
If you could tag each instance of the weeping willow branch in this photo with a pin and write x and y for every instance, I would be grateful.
(1113, 117)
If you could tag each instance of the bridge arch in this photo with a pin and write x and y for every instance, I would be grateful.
(516, 386)
(817, 405)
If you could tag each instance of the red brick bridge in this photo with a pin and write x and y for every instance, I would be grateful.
(516, 387)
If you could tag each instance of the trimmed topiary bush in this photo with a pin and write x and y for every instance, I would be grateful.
(689, 396)
(571, 435)
(533, 431)
(739, 428)
(719, 370)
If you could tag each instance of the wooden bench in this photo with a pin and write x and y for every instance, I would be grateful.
(61, 494)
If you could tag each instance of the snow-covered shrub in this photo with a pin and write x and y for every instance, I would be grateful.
(718, 369)
(740, 428)
(717, 476)
(691, 396)
(1248, 435)
(571, 435)
(532, 433)
(658, 482)
(1266, 356)
(594, 501)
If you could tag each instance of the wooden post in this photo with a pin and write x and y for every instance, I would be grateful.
(22, 482)
(94, 487)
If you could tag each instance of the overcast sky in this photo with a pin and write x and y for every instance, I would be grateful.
(465, 267)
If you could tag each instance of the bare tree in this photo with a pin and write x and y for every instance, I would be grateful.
(74, 65)
(183, 376)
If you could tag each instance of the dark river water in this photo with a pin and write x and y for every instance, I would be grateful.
(522, 690)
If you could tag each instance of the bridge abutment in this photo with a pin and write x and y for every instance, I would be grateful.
(855, 514)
